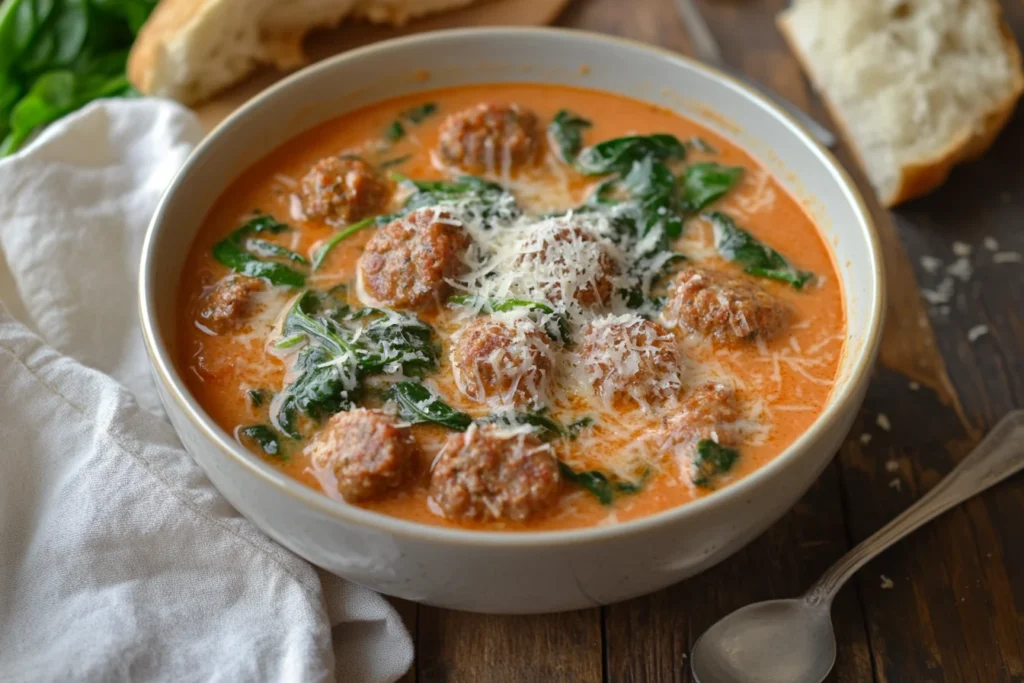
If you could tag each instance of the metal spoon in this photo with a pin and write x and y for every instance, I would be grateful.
(791, 641)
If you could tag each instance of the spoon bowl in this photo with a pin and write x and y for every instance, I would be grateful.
(779, 641)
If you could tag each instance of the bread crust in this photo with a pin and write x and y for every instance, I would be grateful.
(168, 19)
(921, 177)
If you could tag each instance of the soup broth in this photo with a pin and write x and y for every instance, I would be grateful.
(518, 307)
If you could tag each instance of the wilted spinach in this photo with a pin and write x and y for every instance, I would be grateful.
(265, 438)
(246, 256)
(418, 405)
(619, 154)
(324, 249)
(706, 182)
(58, 55)
(712, 460)
(566, 129)
(736, 244)
(468, 195)
(416, 115)
(556, 325)
(605, 487)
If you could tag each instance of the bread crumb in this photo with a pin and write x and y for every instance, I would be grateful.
(1007, 257)
(962, 248)
(865, 438)
(883, 422)
(991, 244)
(931, 264)
(896, 484)
(892, 465)
(887, 583)
(961, 268)
(914, 386)
(976, 332)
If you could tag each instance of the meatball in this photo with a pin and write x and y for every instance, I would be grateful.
(507, 361)
(489, 474)
(229, 303)
(343, 189)
(407, 262)
(722, 306)
(363, 454)
(709, 412)
(500, 138)
(629, 358)
(560, 251)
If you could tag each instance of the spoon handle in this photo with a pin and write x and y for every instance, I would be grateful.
(999, 455)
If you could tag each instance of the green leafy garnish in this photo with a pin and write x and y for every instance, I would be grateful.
(619, 154)
(574, 428)
(711, 461)
(257, 397)
(469, 194)
(605, 487)
(416, 115)
(566, 129)
(324, 249)
(244, 256)
(264, 437)
(58, 55)
(397, 161)
(343, 347)
(418, 405)
(736, 244)
(706, 182)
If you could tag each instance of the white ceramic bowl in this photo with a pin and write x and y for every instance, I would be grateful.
(512, 572)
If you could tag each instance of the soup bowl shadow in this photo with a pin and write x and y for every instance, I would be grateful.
(524, 572)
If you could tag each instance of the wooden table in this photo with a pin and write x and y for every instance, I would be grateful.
(954, 609)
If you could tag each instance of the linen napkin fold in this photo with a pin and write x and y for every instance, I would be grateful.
(118, 559)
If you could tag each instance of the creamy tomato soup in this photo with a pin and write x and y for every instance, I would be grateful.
(511, 307)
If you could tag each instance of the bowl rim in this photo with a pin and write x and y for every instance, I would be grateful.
(845, 394)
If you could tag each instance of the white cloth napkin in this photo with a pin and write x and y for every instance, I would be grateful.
(118, 559)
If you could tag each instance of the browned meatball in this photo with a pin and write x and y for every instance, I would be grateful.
(229, 303)
(407, 262)
(344, 189)
(507, 361)
(709, 412)
(490, 137)
(558, 252)
(723, 306)
(363, 453)
(627, 358)
(488, 474)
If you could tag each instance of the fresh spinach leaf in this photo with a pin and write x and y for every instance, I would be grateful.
(266, 249)
(566, 129)
(416, 115)
(652, 186)
(234, 252)
(706, 182)
(712, 460)
(619, 154)
(265, 437)
(418, 405)
(605, 487)
(736, 244)
(467, 195)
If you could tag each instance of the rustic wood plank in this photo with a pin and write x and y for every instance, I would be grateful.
(464, 647)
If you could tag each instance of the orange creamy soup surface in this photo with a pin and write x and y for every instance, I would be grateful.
(516, 307)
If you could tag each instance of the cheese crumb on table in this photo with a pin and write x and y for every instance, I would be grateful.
(1007, 257)
(892, 465)
(991, 244)
(896, 484)
(962, 248)
(914, 386)
(865, 438)
(931, 264)
(976, 333)
(883, 421)
(887, 583)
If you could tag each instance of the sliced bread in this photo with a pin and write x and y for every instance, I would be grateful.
(917, 85)
(191, 49)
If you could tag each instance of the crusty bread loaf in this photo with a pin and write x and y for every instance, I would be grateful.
(191, 49)
(917, 85)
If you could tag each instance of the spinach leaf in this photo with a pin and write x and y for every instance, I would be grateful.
(265, 437)
(466, 194)
(556, 325)
(605, 487)
(416, 115)
(397, 161)
(257, 397)
(706, 182)
(267, 249)
(418, 405)
(653, 187)
(58, 55)
(545, 424)
(619, 154)
(344, 346)
(712, 460)
(578, 426)
(566, 129)
(234, 252)
(736, 244)
(324, 249)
